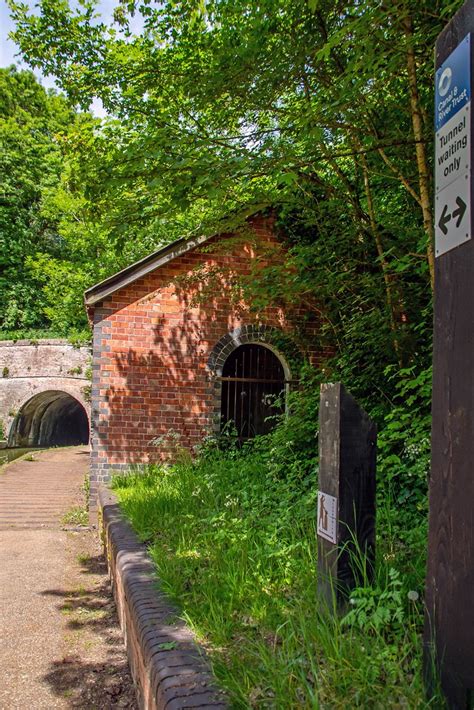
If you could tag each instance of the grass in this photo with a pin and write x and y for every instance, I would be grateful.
(83, 558)
(79, 514)
(235, 546)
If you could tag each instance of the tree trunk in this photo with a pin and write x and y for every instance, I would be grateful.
(421, 158)
(388, 277)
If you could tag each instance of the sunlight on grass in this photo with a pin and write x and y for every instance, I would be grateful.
(76, 515)
(236, 548)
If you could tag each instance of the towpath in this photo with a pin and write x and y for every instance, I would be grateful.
(60, 646)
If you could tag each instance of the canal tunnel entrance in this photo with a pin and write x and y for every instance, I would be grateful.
(51, 418)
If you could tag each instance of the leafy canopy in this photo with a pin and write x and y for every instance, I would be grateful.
(320, 109)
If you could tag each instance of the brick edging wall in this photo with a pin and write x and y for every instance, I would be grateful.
(169, 669)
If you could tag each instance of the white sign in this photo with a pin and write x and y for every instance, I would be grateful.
(453, 150)
(453, 210)
(327, 517)
(453, 181)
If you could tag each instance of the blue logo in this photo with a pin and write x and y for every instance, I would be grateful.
(453, 83)
(444, 83)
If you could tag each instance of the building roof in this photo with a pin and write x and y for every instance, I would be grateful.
(149, 263)
(140, 268)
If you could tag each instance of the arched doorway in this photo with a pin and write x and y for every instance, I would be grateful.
(253, 390)
(51, 418)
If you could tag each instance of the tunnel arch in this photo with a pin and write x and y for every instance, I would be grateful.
(50, 418)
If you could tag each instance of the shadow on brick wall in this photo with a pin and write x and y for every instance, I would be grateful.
(155, 337)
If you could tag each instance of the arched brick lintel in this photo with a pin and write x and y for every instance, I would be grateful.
(276, 340)
(273, 338)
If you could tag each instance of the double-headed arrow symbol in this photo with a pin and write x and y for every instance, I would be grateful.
(446, 216)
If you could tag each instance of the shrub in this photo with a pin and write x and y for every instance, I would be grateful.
(233, 537)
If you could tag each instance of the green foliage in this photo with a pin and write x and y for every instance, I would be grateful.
(378, 609)
(31, 122)
(289, 452)
(77, 515)
(52, 246)
(303, 106)
(404, 443)
(33, 335)
(242, 566)
(86, 489)
(242, 562)
(87, 392)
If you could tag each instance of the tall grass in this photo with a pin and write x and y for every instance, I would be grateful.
(235, 545)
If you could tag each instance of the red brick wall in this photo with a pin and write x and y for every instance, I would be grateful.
(151, 352)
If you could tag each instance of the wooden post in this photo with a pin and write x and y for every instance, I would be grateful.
(346, 496)
(449, 622)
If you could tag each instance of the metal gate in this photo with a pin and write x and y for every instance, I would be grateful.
(253, 379)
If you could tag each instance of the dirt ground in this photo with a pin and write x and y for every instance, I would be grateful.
(92, 670)
(60, 643)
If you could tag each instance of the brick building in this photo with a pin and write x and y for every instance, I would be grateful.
(175, 354)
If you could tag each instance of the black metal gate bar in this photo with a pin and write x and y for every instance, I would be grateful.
(252, 379)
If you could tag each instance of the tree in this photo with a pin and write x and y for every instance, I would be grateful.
(318, 108)
(31, 122)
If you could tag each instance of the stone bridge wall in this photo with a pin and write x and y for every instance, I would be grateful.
(28, 368)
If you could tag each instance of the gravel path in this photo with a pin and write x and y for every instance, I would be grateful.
(60, 646)
(38, 489)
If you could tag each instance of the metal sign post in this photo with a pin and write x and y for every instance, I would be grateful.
(449, 624)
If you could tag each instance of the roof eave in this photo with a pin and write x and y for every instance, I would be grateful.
(97, 293)
(141, 268)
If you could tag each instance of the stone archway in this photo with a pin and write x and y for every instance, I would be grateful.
(50, 418)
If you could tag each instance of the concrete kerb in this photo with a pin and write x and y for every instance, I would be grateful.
(169, 668)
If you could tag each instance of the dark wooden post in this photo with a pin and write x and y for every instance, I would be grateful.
(449, 625)
(346, 496)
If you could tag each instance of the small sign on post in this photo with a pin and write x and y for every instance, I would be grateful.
(327, 517)
(346, 496)
(449, 621)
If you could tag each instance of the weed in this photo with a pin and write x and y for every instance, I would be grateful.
(242, 565)
(76, 515)
(79, 515)
(87, 392)
(86, 489)
(83, 558)
(233, 538)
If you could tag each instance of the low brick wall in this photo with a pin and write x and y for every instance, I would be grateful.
(169, 669)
